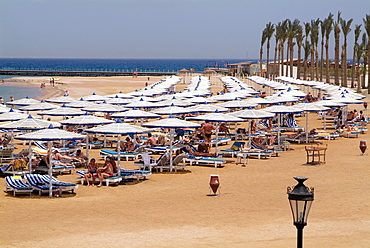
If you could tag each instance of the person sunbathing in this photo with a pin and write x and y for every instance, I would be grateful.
(127, 146)
(199, 153)
(58, 156)
(92, 171)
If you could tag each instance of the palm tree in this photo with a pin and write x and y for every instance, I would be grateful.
(307, 30)
(277, 50)
(365, 57)
(270, 29)
(299, 40)
(367, 29)
(359, 54)
(336, 48)
(307, 51)
(346, 28)
(283, 37)
(292, 33)
(263, 40)
(314, 37)
(329, 27)
(355, 48)
(323, 30)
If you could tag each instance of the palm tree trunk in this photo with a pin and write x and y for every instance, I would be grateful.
(353, 67)
(312, 62)
(299, 63)
(336, 57)
(291, 50)
(327, 63)
(322, 59)
(317, 63)
(364, 73)
(275, 54)
(287, 59)
(267, 59)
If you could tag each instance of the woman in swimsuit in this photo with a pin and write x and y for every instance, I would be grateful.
(92, 172)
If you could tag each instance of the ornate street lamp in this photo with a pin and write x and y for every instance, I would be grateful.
(300, 199)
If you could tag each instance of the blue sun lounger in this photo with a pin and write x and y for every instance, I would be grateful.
(61, 185)
(17, 185)
(205, 160)
(38, 184)
(109, 153)
(109, 180)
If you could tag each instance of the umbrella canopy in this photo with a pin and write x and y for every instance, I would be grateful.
(29, 123)
(258, 100)
(120, 95)
(177, 102)
(94, 97)
(61, 99)
(23, 101)
(253, 114)
(12, 115)
(86, 120)
(39, 106)
(117, 100)
(237, 104)
(135, 113)
(79, 104)
(4, 109)
(206, 108)
(171, 110)
(63, 111)
(143, 104)
(104, 107)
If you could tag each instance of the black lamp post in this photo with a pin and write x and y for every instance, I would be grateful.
(300, 199)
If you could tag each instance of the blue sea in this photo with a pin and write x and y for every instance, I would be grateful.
(123, 65)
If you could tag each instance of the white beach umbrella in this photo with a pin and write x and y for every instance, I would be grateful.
(39, 106)
(94, 97)
(206, 108)
(120, 95)
(237, 104)
(50, 134)
(85, 120)
(258, 100)
(81, 103)
(23, 102)
(135, 114)
(61, 99)
(281, 109)
(171, 123)
(4, 109)
(218, 118)
(223, 97)
(281, 98)
(144, 104)
(118, 128)
(119, 101)
(29, 123)
(171, 110)
(12, 115)
(177, 102)
(63, 111)
(104, 107)
(199, 99)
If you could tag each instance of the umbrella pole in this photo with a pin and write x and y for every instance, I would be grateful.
(249, 134)
(30, 156)
(217, 126)
(324, 120)
(172, 131)
(119, 154)
(50, 171)
(279, 129)
(306, 126)
(87, 147)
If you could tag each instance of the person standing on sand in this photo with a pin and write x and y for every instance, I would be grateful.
(207, 132)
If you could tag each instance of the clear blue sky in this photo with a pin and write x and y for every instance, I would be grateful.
(209, 29)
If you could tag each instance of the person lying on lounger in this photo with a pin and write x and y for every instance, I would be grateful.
(58, 156)
(92, 171)
(198, 153)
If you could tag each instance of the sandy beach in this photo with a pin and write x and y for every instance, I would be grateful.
(173, 209)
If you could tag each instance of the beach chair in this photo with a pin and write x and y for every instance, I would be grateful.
(205, 160)
(125, 173)
(235, 147)
(292, 125)
(6, 154)
(127, 155)
(149, 163)
(37, 183)
(61, 185)
(115, 179)
(175, 163)
(17, 185)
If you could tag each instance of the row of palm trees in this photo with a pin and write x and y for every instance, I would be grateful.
(307, 37)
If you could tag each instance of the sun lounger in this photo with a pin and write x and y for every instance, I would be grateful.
(233, 149)
(292, 125)
(16, 169)
(205, 160)
(61, 185)
(136, 173)
(352, 134)
(35, 181)
(17, 185)
(260, 153)
(115, 179)
(127, 155)
(175, 163)
(6, 154)
(149, 163)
